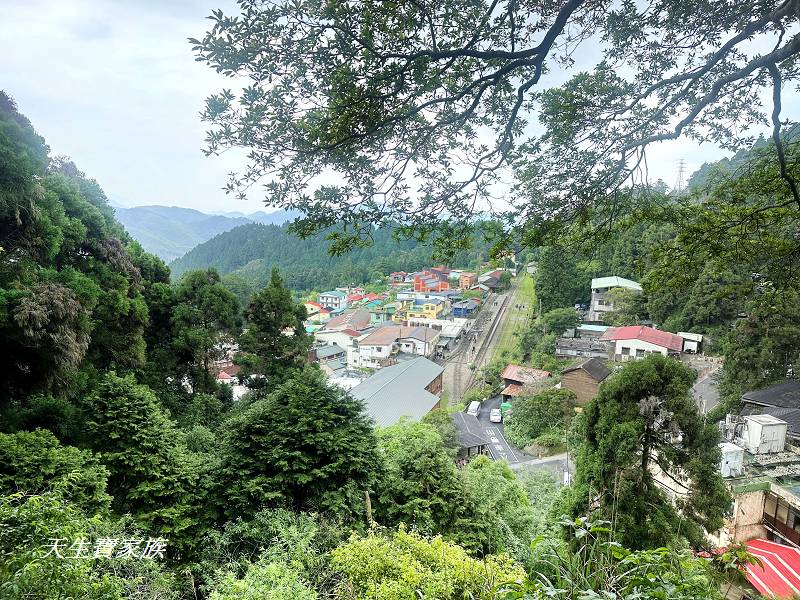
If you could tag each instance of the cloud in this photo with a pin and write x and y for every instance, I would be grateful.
(115, 86)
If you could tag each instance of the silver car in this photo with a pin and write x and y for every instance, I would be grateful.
(496, 416)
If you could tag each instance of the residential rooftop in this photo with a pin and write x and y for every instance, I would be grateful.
(614, 281)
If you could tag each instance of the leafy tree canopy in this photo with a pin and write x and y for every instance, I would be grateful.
(306, 445)
(386, 95)
(275, 343)
(645, 417)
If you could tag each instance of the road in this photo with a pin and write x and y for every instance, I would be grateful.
(705, 391)
(517, 459)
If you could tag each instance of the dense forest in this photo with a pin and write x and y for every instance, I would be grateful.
(126, 471)
(246, 255)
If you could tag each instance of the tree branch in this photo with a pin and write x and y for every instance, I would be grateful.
(776, 129)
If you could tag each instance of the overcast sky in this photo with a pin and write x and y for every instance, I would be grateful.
(114, 85)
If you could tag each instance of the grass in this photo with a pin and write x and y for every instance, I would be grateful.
(524, 294)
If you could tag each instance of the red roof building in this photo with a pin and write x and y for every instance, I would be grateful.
(516, 377)
(779, 577)
(636, 341)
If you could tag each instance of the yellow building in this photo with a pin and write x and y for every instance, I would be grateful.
(432, 308)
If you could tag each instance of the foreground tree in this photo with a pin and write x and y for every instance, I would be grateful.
(204, 312)
(403, 564)
(601, 568)
(307, 445)
(558, 282)
(152, 475)
(386, 95)
(550, 410)
(645, 418)
(420, 485)
(275, 343)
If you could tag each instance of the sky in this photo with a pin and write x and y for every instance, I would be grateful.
(113, 84)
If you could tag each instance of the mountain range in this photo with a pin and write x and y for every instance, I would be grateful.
(172, 231)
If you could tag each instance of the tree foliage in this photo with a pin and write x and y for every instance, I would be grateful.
(644, 417)
(307, 445)
(361, 91)
(275, 343)
(152, 475)
(420, 484)
(402, 564)
(533, 416)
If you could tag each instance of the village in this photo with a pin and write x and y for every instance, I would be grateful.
(417, 345)
(404, 352)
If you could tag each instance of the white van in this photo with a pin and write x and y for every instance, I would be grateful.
(474, 408)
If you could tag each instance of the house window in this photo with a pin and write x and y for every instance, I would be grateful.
(626, 351)
(639, 353)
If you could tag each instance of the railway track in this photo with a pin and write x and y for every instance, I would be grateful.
(458, 376)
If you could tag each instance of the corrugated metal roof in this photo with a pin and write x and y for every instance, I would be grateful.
(399, 391)
(593, 366)
(665, 339)
(523, 374)
(329, 350)
(469, 430)
(786, 395)
(614, 281)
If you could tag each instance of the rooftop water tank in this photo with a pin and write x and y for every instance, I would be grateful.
(763, 434)
(732, 463)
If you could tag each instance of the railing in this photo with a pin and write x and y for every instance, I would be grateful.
(782, 528)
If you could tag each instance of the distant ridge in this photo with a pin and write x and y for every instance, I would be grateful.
(172, 231)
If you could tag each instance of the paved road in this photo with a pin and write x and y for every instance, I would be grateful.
(500, 447)
(517, 459)
(706, 392)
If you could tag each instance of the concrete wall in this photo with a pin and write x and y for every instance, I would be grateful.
(745, 521)
(635, 345)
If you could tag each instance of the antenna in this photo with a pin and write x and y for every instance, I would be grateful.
(679, 189)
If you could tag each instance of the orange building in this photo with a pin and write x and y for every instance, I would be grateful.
(467, 280)
(431, 280)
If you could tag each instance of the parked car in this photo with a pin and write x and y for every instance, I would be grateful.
(496, 416)
(474, 408)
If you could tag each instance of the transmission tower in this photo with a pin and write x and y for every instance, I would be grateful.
(679, 184)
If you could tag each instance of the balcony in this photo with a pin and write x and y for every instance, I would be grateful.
(782, 529)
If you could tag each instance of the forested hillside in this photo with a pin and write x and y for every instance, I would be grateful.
(170, 231)
(126, 471)
(250, 252)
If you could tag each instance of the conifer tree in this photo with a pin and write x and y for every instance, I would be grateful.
(275, 343)
(645, 419)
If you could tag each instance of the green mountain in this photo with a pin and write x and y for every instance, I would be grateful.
(247, 254)
(171, 231)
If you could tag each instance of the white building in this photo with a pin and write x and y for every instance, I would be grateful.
(333, 300)
(601, 299)
(345, 330)
(637, 341)
(380, 348)
(692, 342)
